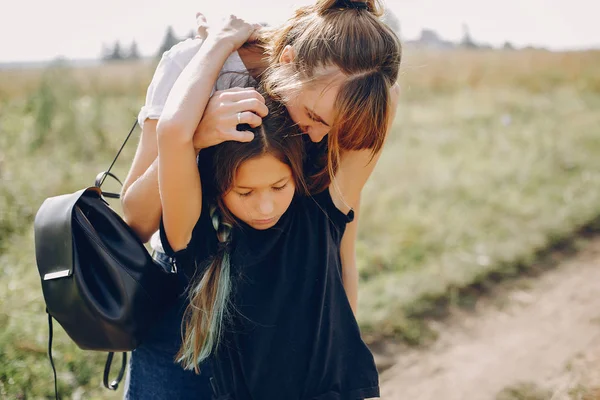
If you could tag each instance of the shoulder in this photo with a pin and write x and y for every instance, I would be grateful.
(181, 53)
(353, 173)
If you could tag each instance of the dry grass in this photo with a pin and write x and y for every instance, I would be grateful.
(533, 71)
(115, 79)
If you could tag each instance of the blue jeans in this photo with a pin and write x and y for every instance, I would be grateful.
(153, 372)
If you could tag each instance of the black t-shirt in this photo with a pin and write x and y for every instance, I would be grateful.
(292, 334)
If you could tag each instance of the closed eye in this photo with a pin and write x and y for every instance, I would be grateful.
(280, 187)
(312, 118)
(245, 194)
(315, 117)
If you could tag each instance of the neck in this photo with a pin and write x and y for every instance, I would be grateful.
(254, 60)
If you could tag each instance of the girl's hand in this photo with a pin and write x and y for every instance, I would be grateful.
(220, 119)
(235, 31)
(201, 26)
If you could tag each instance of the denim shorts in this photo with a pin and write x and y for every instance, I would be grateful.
(154, 374)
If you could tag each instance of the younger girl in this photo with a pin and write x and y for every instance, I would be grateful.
(267, 303)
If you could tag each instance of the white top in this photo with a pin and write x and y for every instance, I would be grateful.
(172, 63)
(234, 73)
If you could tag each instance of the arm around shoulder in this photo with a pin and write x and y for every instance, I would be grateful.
(140, 198)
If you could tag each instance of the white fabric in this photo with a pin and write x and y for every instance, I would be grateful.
(172, 63)
(234, 73)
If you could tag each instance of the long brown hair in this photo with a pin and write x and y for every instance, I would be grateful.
(208, 307)
(366, 52)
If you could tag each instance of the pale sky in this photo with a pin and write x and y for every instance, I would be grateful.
(43, 30)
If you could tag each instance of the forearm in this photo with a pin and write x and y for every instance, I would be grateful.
(348, 256)
(141, 203)
(350, 280)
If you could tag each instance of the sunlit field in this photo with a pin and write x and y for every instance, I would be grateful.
(493, 157)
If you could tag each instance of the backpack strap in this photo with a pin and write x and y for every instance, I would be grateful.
(114, 385)
(102, 175)
(50, 354)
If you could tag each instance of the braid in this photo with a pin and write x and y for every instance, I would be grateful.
(209, 301)
(222, 228)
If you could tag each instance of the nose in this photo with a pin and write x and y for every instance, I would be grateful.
(266, 206)
(316, 135)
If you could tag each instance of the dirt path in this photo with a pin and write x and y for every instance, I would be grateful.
(542, 338)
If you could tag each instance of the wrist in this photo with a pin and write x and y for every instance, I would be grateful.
(220, 43)
(198, 142)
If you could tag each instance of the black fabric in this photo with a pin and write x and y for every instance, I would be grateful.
(189, 263)
(293, 334)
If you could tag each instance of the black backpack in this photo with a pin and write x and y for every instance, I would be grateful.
(99, 281)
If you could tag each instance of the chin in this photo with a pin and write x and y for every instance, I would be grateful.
(315, 139)
(262, 228)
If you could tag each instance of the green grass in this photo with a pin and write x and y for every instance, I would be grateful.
(524, 391)
(493, 158)
(471, 194)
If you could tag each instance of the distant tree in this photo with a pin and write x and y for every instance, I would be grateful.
(134, 52)
(467, 40)
(508, 46)
(169, 41)
(392, 21)
(117, 53)
(105, 52)
(429, 36)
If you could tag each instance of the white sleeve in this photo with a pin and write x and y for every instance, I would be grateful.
(168, 70)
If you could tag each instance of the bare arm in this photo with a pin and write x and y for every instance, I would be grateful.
(354, 171)
(348, 257)
(178, 177)
(140, 198)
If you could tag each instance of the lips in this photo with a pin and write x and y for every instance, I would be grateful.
(264, 222)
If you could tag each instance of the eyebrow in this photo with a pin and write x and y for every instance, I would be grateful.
(251, 188)
(316, 116)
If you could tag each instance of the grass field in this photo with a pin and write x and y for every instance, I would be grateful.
(493, 157)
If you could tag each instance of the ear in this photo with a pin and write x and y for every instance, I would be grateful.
(287, 55)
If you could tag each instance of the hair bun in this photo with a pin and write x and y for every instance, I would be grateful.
(356, 5)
